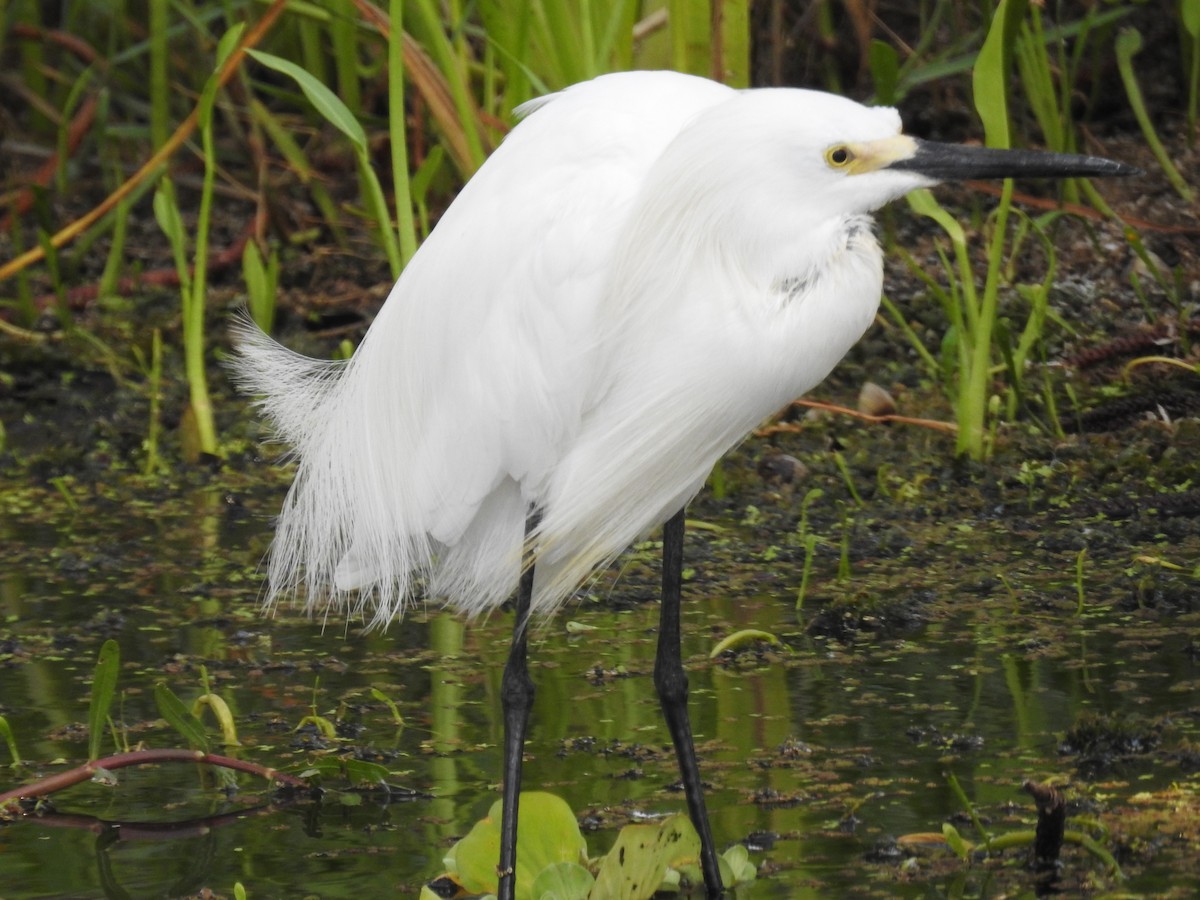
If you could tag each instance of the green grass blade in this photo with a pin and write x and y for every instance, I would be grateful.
(439, 48)
(989, 81)
(1127, 45)
(398, 133)
(324, 101)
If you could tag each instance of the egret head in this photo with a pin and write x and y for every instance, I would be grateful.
(768, 173)
(826, 156)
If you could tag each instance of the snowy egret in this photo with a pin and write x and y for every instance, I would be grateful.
(649, 265)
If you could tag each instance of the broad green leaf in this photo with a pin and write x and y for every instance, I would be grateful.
(104, 686)
(547, 833)
(562, 881)
(324, 100)
(739, 861)
(180, 717)
(638, 861)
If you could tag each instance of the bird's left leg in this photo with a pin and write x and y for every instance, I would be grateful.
(671, 682)
(516, 699)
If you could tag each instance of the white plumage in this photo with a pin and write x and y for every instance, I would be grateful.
(649, 265)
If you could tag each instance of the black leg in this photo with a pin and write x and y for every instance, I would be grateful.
(672, 685)
(516, 698)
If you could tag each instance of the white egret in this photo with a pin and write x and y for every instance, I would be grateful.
(649, 265)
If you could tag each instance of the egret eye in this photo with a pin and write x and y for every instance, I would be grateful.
(839, 156)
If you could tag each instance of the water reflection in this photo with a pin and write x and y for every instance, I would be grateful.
(820, 751)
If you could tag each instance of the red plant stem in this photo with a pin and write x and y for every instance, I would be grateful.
(87, 771)
(788, 427)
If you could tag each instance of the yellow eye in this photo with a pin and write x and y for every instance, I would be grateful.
(839, 156)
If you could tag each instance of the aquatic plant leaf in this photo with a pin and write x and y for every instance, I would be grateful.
(739, 639)
(360, 771)
(562, 881)
(391, 705)
(221, 712)
(10, 740)
(180, 717)
(325, 101)
(740, 863)
(638, 861)
(104, 686)
(955, 841)
(547, 833)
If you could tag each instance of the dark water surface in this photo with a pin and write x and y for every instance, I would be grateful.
(821, 752)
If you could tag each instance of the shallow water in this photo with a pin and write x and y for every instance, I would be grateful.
(816, 753)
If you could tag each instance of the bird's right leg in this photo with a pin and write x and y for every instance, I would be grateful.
(672, 684)
(516, 699)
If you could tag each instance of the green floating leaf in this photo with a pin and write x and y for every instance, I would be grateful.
(180, 717)
(740, 864)
(740, 638)
(638, 862)
(104, 686)
(324, 101)
(547, 834)
(562, 881)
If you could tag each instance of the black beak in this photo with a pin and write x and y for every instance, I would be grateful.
(956, 162)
